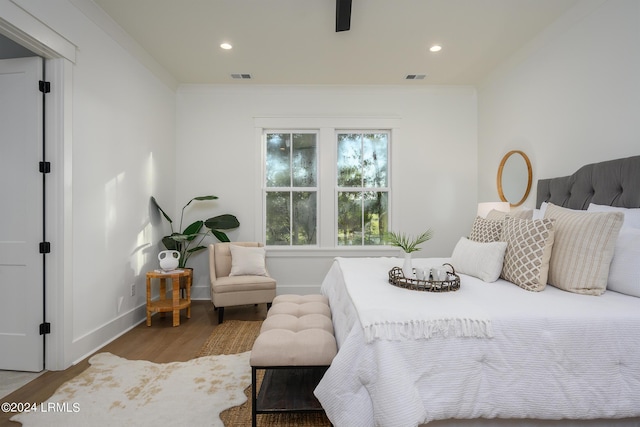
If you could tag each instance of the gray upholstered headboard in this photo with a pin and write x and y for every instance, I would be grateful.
(612, 183)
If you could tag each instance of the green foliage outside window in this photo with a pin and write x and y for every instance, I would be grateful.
(291, 188)
(362, 174)
(291, 197)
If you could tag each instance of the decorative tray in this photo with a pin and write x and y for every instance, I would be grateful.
(452, 283)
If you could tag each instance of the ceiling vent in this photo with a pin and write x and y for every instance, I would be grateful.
(238, 76)
(415, 76)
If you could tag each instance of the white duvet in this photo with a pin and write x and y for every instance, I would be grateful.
(552, 355)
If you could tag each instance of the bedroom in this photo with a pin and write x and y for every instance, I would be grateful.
(567, 98)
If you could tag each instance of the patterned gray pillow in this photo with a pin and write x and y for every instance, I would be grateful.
(529, 244)
(485, 230)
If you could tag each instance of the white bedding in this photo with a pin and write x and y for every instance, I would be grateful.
(552, 354)
(444, 314)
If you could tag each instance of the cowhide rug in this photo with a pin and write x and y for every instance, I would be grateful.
(118, 392)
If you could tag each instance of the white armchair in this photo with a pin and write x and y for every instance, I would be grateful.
(241, 280)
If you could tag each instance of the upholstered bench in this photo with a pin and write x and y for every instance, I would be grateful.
(294, 348)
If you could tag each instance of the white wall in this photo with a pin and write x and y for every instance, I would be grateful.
(122, 152)
(433, 162)
(570, 98)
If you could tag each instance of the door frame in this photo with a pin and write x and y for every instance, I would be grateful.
(59, 272)
(59, 56)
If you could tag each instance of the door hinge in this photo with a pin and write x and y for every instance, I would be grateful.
(45, 167)
(45, 247)
(45, 87)
(45, 328)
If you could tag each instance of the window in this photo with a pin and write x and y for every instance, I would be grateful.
(291, 194)
(362, 188)
(325, 183)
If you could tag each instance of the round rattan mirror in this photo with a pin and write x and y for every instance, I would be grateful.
(514, 178)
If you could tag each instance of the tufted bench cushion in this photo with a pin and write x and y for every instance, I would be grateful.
(301, 299)
(296, 335)
(301, 309)
(297, 332)
(281, 347)
(297, 324)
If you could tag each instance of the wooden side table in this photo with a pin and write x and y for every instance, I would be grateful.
(175, 304)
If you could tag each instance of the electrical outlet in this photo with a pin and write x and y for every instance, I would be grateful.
(133, 289)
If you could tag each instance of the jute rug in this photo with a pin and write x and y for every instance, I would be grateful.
(118, 392)
(236, 336)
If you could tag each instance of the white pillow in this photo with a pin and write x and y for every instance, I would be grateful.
(539, 213)
(247, 261)
(624, 273)
(631, 216)
(477, 259)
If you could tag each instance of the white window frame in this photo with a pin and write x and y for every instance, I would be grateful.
(290, 188)
(338, 189)
(327, 127)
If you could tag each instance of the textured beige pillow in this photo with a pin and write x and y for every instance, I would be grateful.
(247, 261)
(583, 249)
(519, 213)
(529, 247)
(485, 230)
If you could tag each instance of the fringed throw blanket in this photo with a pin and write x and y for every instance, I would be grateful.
(387, 312)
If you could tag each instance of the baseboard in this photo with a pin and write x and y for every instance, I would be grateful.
(91, 342)
(203, 293)
(200, 293)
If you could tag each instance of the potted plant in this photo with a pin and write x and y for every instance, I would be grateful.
(189, 241)
(408, 245)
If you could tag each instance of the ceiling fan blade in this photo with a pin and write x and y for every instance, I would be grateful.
(343, 15)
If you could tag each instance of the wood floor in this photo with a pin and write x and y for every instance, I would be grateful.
(160, 343)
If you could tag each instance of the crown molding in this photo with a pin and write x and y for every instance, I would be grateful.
(19, 25)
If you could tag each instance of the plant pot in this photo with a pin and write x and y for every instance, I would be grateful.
(169, 260)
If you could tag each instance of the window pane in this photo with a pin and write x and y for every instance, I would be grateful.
(304, 218)
(375, 217)
(278, 152)
(304, 160)
(278, 226)
(349, 160)
(349, 218)
(374, 163)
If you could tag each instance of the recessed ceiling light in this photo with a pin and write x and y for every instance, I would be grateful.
(226, 46)
(435, 48)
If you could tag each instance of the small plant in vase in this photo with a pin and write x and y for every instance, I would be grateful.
(408, 245)
(190, 240)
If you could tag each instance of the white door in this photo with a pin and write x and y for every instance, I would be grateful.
(21, 266)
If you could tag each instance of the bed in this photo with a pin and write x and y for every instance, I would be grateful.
(495, 353)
